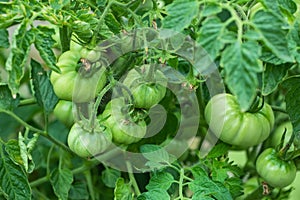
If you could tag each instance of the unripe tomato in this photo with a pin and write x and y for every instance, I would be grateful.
(124, 129)
(71, 85)
(85, 143)
(242, 129)
(63, 112)
(91, 55)
(275, 171)
(146, 93)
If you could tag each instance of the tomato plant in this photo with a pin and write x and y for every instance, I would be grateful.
(164, 99)
(235, 127)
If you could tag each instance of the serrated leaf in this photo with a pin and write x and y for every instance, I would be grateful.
(112, 23)
(7, 102)
(218, 150)
(210, 9)
(79, 191)
(155, 153)
(44, 44)
(270, 27)
(154, 195)
(292, 87)
(61, 180)
(16, 61)
(272, 77)
(110, 177)
(160, 180)
(122, 190)
(58, 4)
(180, 14)
(210, 35)
(4, 42)
(13, 179)
(241, 65)
(23, 151)
(294, 41)
(43, 89)
(13, 150)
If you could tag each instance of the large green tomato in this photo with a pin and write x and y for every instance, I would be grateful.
(74, 86)
(275, 171)
(231, 125)
(146, 93)
(87, 143)
(63, 112)
(124, 129)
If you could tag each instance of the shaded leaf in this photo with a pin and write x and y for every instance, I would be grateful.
(61, 180)
(7, 102)
(160, 180)
(110, 177)
(122, 190)
(155, 195)
(4, 42)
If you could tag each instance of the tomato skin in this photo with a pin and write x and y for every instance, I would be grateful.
(275, 171)
(70, 85)
(85, 143)
(91, 55)
(124, 129)
(146, 93)
(63, 112)
(242, 129)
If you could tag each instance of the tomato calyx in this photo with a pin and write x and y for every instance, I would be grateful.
(257, 104)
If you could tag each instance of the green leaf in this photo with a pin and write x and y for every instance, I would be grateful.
(270, 27)
(110, 177)
(4, 42)
(13, 179)
(180, 14)
(13, 150)
(218, 150)
(292, 87)
(272, 76)
(61, 180)
(44, 44)
(112, 23)
(160, 180)
(210, 9)
(241, 65)
(294, 41)
(155, 153)
(7, 102)
(122, 190)
(43, 89)
(78, 191)
(16, 61)
(25, 151)
(154, 195)
(210, 36)
(58, 4)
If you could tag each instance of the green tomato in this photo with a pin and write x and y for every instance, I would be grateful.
(275, 171)
(146, 93)
(88, 143)
(91, 55)
(72, 86)
(63, 112)
(231, 125)
(275, 138)
(124, 129)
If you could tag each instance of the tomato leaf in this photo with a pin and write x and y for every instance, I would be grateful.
(122, 190)
(218, 150)
(78, 190)
(4, 42)
(16, 61)
(210, 36)
(294, 41)
(160, 180)
(7, 102)
(273, 35)
(292, 87)
(110, 177)
(272, 77)
(61, 180)
(180, 14)
(241, 65)
(43, 89)
(44, 43)
(155, 154)
(210, 9)
(58, 4)
(13, 179)
(154, 195)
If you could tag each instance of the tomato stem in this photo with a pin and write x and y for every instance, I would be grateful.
(132, 179)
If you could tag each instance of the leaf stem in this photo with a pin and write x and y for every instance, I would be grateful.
(26, 102)
(278, 109)
(132, 179)
(88, 178)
